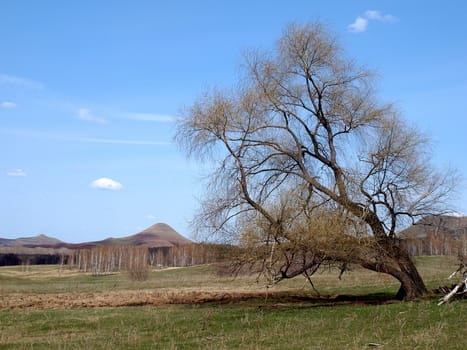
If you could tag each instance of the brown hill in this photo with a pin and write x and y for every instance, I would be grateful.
(437, 235)
(456, 226)
(36, 241)
(158, 235)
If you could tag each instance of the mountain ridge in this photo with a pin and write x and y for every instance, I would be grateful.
(157, 235)
(40, 239)
(456, 226)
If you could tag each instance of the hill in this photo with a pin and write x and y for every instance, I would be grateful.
(158, 235)
(36, 241)
(456, 226)
(437, 235)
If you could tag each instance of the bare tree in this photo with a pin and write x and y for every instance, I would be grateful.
(311, 166)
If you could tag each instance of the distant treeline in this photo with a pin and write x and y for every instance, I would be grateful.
(11, 259)
(10, 256)
(99, 260)
(438, 243)
(117, 257)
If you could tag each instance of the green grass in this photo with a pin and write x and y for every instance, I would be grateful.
(353, 322)
(419, 325)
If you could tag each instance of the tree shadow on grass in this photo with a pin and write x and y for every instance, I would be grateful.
(285, 300)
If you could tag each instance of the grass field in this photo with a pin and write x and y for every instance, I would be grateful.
(193, 308)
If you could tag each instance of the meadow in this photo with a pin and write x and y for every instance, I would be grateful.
(52, 307)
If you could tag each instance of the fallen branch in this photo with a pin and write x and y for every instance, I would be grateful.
(462, 283)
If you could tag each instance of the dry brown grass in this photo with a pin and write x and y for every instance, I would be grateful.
(52, 287)
(131, 298)
(33, 272)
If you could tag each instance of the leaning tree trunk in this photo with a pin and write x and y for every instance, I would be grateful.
(412, 285)
(393, 259)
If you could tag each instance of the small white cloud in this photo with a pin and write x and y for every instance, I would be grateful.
(8, 104)
(106, 184)
(16, 173)
(359, 25)
(151, 217)
(361, 22)
(86, 115)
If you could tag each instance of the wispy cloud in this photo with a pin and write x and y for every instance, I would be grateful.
(150, 117)
(376, 15)
(16, 173)
(151, 217)
(63, 138)
(123, 142)
(361, 22)
(86, 115)
(11, 80)
(106, 184)
(8, 104)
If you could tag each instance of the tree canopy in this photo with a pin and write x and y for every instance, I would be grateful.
(310, 166)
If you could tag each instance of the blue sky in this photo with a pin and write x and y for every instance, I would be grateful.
(89, 91)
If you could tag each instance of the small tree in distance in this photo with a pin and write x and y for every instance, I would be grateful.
(312, 168)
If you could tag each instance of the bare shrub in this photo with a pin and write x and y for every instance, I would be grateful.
(137, 265)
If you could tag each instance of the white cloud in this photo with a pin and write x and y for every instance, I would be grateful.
(8, 104)
(106, 184)
(359, 25)
(16, 173)
(11, 80)
(361, 22)
(151, 217)
(86, 115)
